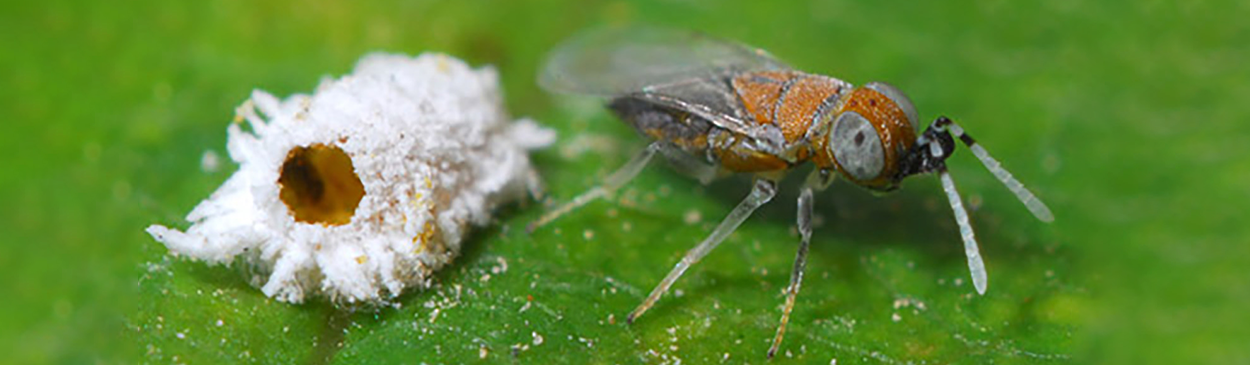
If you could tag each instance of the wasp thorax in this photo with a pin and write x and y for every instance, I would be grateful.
(857, 147)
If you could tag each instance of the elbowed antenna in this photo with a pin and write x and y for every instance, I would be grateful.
(1025, 196)
(940, 146)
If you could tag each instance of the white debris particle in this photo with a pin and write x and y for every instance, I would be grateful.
(833, 361)
(538, 339)
(895, 317)
(365, 187)
(180, 335)
(692, 216)
(900, 302)
(908, 302)
(482, 352)
(209, 161)
(501, 268)
(220, 323)
(434, 314)
(519, 348)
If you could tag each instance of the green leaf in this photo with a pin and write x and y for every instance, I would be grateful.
(1128, 121)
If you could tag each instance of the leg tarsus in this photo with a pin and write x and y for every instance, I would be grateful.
(800, 261)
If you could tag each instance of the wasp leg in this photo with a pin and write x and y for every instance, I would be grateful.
(762, 192)
(613, 182)
(690, 165)
(800, 261)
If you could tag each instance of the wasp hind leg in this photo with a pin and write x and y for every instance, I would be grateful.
(613, 182)
(763, 191)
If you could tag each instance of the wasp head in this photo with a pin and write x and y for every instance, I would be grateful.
(872, 136)
(929, 153)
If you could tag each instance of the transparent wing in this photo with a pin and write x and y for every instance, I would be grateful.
(615, 61)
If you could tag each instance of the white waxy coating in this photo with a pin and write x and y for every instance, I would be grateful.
(432, 146)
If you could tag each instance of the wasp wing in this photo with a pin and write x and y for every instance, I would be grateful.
(682, 70)
(615, 61)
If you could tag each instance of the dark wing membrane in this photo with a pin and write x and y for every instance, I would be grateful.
(616, 61)
(711, 98)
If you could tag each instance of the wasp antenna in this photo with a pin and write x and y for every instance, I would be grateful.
(975, 265)
(1025, 196)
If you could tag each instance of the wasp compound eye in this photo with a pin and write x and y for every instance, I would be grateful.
(857, 146)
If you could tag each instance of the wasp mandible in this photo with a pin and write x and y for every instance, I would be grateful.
(715, 107)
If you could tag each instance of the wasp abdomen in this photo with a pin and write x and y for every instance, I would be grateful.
(696, 136)
(682, 129)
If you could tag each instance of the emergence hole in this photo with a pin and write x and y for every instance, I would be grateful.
(319, 185)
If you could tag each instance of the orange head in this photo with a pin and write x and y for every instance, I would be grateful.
(869, 136)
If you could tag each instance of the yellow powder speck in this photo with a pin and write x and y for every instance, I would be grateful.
(442, 65)
(692, 216)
